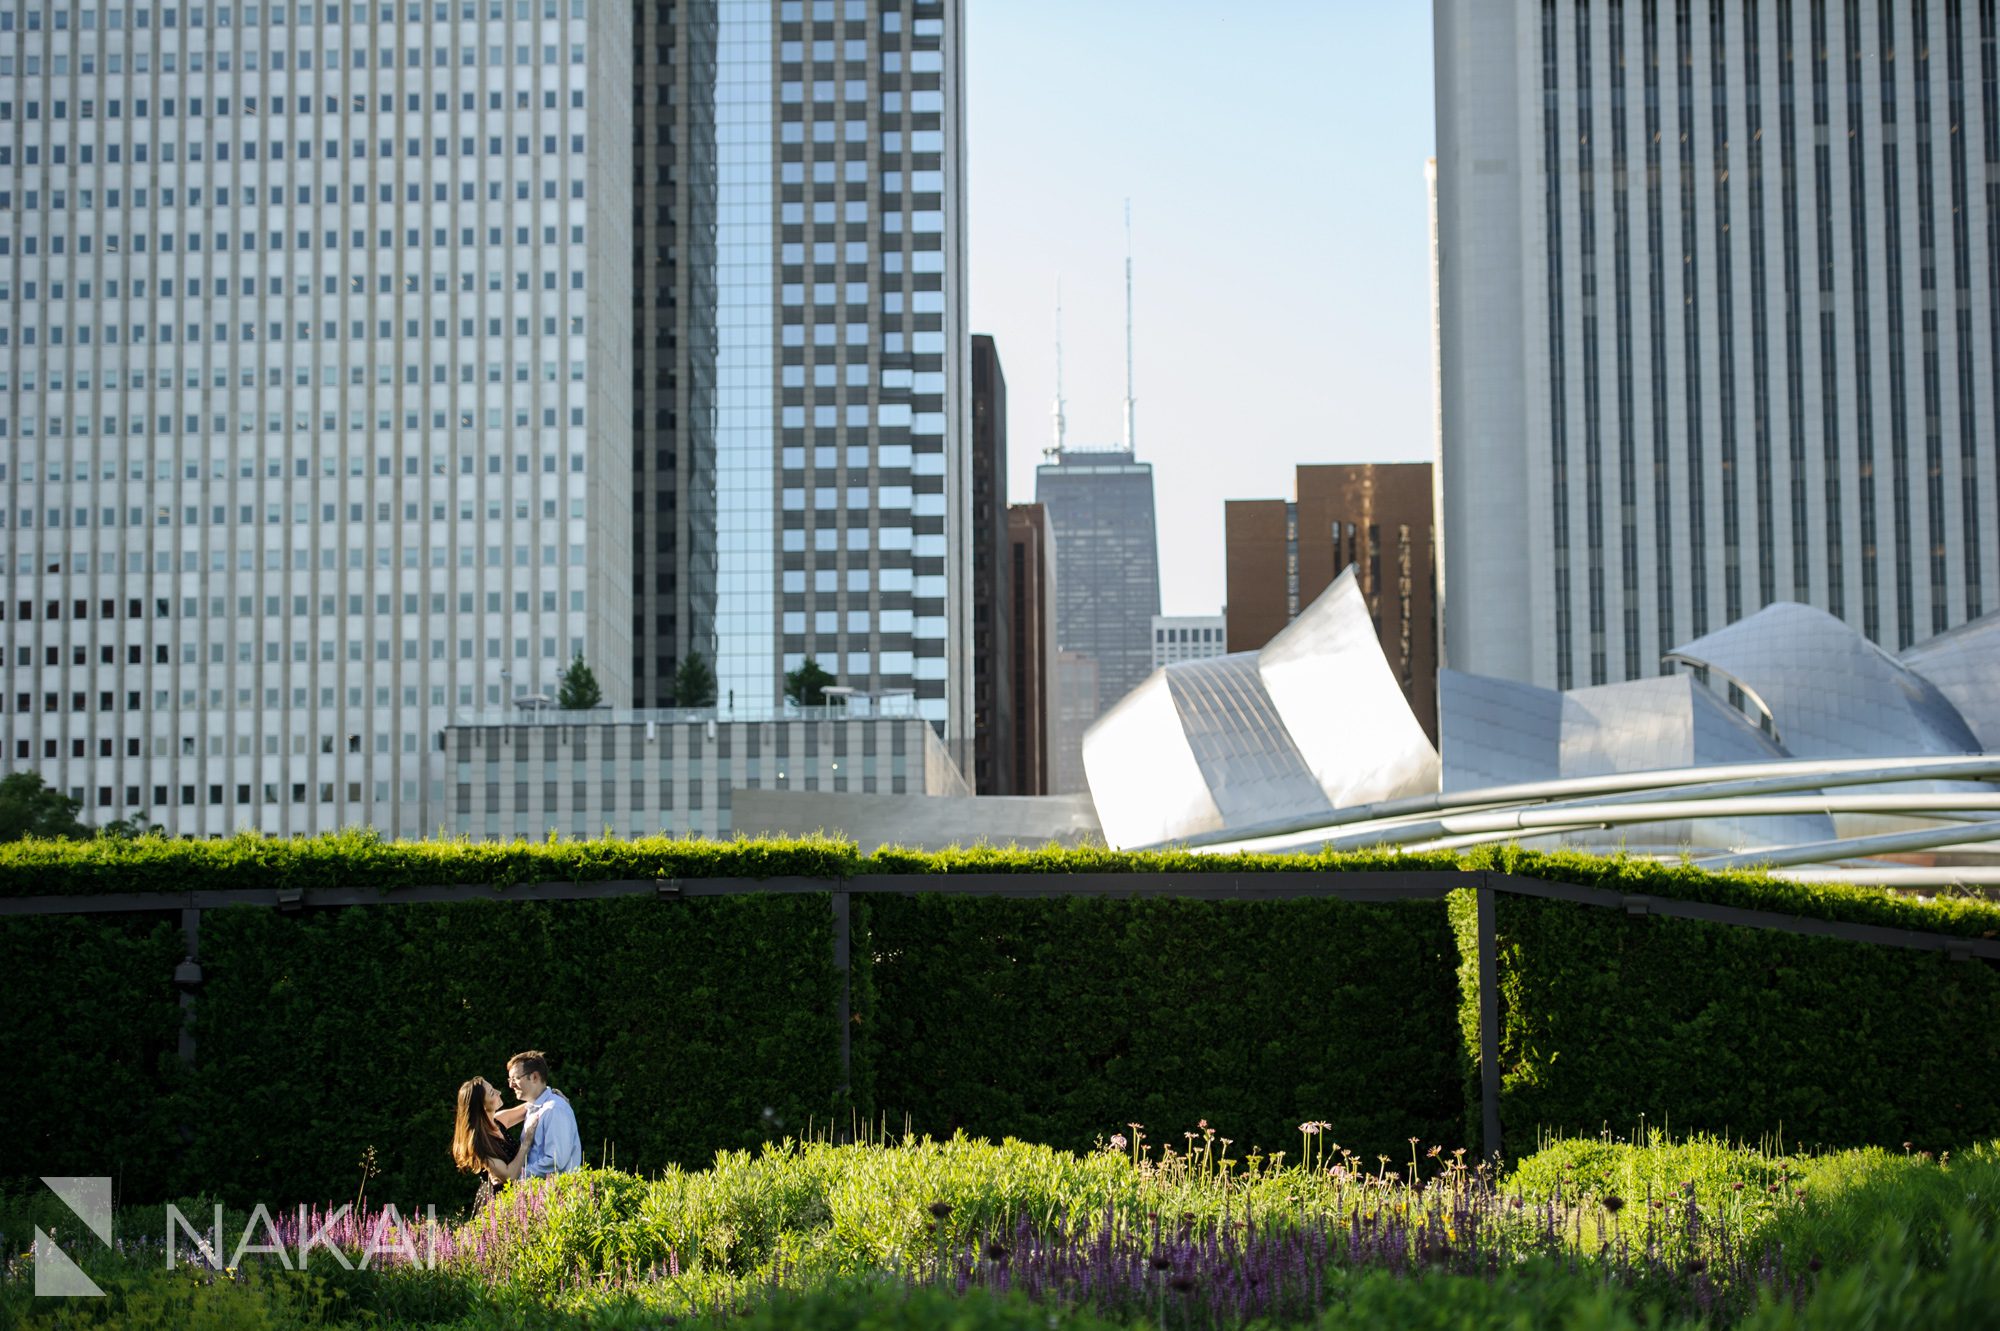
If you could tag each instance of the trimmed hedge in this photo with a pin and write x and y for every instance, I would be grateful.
(1718, 1028)
(677, 1029)
(364, 859)
(90, 1047)
(684, 1027)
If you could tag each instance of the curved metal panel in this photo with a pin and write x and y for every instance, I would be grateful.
(1327, 676)
(1831, 692)
(1496, 732)
(1144, 778)
(1253, 770)
(1964, 666)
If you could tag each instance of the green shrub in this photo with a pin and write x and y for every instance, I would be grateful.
(676, 1028)
(1062, 1020)
(1726, 1029)
(90, 1041)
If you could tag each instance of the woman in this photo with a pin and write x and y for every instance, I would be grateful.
(479, 1141)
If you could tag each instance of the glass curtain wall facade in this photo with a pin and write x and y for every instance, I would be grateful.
(842, 381)
(315, 367)
(1100, 503)
(1762, 368)
(674, 343)
(745, 321)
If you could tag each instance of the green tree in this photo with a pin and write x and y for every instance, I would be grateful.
(579, 688)
(136, 824)
(694, 682)
(806, 686)
(30, 807)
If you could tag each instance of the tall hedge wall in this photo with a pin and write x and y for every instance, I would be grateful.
(1721, 1028)
(1062, 1020)
(680, 1027)
(90, 1046)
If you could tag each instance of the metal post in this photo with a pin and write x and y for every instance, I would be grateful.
(187, 978)
(842, 952)
(1489, 1026)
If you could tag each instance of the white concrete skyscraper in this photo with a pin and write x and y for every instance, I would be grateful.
(1719, 301)
(315, 393)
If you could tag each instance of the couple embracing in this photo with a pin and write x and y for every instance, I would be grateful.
(548, 1143)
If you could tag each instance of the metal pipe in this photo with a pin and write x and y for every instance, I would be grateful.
(1545, 820)
(1834, 771)
(1847, 848)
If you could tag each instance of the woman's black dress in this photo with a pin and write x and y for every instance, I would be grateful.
(488, 1189)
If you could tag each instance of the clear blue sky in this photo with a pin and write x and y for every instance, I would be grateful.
(1274, 154)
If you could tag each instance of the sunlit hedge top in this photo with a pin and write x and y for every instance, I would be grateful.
(363, 859)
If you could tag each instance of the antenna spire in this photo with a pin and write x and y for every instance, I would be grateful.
(1131, 403)
(1061, 424)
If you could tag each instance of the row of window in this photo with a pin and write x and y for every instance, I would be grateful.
(274, 607)
(305, 59)
(280, 15)
(356, 421)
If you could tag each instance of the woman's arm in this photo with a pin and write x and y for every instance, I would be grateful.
(510, 1116)
(511, 1169)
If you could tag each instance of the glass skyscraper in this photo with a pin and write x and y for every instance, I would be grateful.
(841, 409)
(1100, 505)
(1719, 310)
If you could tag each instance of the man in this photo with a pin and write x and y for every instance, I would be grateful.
(557, 1148)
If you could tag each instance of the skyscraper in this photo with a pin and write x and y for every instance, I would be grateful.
(1031, 586)
(842, 422)
(1099, 502)
(367, 364)
(1719, 323)
(317, 343)
(993, 771)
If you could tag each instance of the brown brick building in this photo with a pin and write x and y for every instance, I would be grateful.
(1031, 657)
(1375, 516)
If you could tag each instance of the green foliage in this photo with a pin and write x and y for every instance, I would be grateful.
(364, 859)
(1063, 1019)
(805, 685)
(90, 1040)
(29, 807)
(825, 1236)
(675, 1028)
(579, 691)
(694, 682)
(676, 1025)
(1727, 1029)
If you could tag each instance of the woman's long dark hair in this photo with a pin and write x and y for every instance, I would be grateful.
(475, 1137)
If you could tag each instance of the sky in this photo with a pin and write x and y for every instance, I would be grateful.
(1273, 151)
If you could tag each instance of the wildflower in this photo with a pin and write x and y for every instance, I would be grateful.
(1614, 1204)
(1434, 1152)
(1309, 1129)
(1202, 1124)
(1161, 1261)
(1696, 1265)
(940, 1209)
(1736, 1187)
(997, 1251)
(1117, 1141)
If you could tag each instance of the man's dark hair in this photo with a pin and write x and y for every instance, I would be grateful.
(533, 1063)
